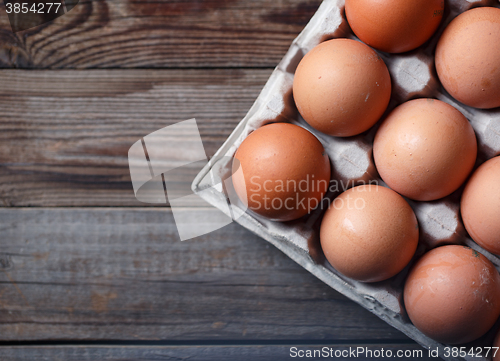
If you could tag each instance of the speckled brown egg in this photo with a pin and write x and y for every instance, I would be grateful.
(425, 149)
(468, 58)
(452, 294)
(394, 26)
(369, 233)
(480, 206)
(285, 171)
(341, 87)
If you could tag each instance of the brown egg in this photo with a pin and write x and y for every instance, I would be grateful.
(480, 206)
(425, 149)
(452, 294)
(467, 58)
(342, 87)
(369, 233)
(285, 171)
(394, 26)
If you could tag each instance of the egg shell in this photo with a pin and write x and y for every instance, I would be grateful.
(285, 171)
(480, 206)
(425, 149)
(452, 294)
(341, 87)
(394, 26)
(468, 58)
(369, 233)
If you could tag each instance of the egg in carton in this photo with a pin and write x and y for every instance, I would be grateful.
(413, 76)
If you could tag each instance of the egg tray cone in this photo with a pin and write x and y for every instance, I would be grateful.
(413, 76)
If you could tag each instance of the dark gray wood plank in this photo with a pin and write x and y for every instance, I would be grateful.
(65, 135)
(208, 353)
(123, 274)
(149, 33)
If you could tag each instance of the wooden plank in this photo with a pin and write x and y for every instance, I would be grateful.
(123, 274)
(150, 33)
(65, 135)
(209, 353)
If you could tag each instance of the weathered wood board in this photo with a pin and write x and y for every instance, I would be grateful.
(159, 34)
(65, 135)
(123, 274)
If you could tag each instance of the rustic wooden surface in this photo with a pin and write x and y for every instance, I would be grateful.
(123, 274)
(86, 271)
(64, 135)
(152, 33)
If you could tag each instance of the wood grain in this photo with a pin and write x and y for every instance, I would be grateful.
(151, 33)
(196, 353)
(123, 274)
(65, 135)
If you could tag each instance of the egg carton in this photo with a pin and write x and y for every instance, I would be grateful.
(413, 76)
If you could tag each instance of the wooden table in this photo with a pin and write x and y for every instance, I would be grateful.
(90, 273)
